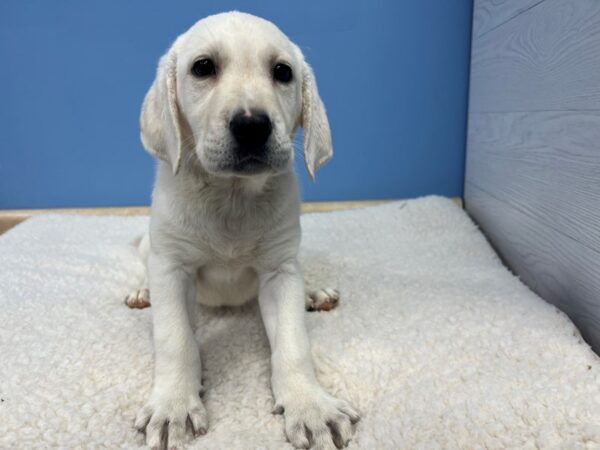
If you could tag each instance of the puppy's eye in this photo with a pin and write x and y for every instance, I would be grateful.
(204, 68)
(282, 73)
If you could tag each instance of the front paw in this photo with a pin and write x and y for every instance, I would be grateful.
(314, 419)
(165, 416)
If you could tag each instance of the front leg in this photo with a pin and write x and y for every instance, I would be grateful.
(313, 418)
(177, 372)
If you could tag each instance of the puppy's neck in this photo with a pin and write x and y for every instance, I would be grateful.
(233, 204)
(193, 182)
(254, 185)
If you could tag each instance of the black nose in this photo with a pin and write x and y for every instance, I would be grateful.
(251, 131)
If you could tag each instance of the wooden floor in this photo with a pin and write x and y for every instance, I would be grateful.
(10, 218)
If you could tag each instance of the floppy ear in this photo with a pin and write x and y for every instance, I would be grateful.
(160, 120)
(317, 135)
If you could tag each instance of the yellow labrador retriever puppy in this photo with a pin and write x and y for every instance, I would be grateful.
(224, 229)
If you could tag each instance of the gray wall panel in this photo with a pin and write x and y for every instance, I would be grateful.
(533, 147)
(547, 58)
(545, 162)
(490, 14)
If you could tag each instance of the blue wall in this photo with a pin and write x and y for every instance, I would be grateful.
(393, 75)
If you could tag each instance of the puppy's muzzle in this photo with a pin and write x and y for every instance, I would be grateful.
(251, 132)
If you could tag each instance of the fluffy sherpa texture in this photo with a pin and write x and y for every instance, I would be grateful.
(435, 342)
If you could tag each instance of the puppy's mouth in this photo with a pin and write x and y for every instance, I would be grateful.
(245, 161)
(251, 164)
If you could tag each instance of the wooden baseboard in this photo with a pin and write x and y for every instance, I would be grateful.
(11, 217)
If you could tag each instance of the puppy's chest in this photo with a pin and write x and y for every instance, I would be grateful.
(229, 233)
(219, 244)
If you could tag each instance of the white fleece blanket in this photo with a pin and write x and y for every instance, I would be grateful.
(434, 341)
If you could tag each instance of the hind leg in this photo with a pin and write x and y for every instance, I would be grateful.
(140, 298)
(322, 299)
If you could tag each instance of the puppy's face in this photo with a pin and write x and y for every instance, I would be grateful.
(231, 92)
(239, 90)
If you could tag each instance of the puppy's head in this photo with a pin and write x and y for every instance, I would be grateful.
(232, 90)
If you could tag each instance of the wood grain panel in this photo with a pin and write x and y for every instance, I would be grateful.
(546, 58)
(533, 147)
(558, 268)
(547, 163)
(490, 14)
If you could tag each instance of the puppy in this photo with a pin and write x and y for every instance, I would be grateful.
(224, 227)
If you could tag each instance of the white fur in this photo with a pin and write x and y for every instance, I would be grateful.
(223, 238)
